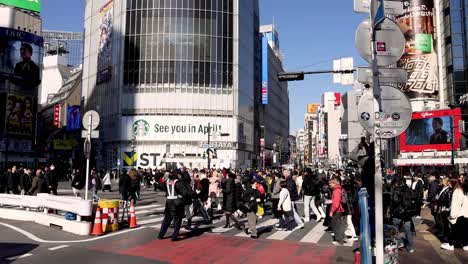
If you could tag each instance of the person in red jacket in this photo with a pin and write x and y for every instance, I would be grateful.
(336, 212)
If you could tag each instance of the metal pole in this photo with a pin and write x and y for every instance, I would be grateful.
(208, 150)
(87, 158)
(452, 157)
(379, 239)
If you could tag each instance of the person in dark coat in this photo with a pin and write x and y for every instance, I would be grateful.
(174, 211)
(250, 197)
(3, 184)
(51, 179)
(39, 184)
(418, 192)
(12, 181)
(26, 181)
(403, 208)
(124, 185)
(229, 201)
(433, 190)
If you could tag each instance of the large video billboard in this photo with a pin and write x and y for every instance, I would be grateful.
(432, 131)
(420, 57)
(33, 5)
(19, 115)
(104, 63)
(20, 61)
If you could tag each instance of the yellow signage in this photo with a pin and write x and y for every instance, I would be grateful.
(312, 108)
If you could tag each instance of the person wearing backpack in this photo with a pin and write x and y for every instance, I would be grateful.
(338, 211)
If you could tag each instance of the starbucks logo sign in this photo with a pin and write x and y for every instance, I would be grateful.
(140, 128)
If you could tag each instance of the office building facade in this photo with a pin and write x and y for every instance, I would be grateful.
(169, 76)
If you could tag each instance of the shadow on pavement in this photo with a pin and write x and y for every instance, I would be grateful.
(9, 250)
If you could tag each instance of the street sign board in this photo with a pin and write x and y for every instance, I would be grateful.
(344, 64)
(391, 7)
(94, 133)
(377, 12)
(394, 117)
(95, 119)
(390, 42)
(386, 75)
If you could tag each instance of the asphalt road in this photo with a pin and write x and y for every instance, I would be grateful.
(205, 244)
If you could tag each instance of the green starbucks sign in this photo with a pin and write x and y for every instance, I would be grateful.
(33, 5)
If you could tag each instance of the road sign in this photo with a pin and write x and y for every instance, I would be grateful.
(395, 114)
(392, 75)
(377, 12)
(94, 133)
(390, 42)
(344, 64)
(391, 7)
(95, 119)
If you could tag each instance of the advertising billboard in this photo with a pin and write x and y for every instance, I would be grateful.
(432, 130)
(20, 61)
(313, 108)
(32, 5)
(19, 115)
(73, 118)
(104, 63)
(264, 70)
(420, 56)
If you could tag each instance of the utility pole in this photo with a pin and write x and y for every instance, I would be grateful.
(208, 149)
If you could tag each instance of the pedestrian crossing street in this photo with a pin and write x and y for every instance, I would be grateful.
(150, 213)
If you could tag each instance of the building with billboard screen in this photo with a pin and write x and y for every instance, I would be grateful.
(432, 130)
(176, 75)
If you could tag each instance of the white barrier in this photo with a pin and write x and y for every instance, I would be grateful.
(81, 208)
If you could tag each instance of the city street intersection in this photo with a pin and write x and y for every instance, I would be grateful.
(24, 242)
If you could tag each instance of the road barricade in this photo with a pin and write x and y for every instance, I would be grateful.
(110, 215)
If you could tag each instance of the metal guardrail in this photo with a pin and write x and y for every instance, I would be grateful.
(82, 208)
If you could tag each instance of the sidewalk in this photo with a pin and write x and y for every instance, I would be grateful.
(427, 246)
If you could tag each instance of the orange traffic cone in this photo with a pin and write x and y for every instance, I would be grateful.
(132, 222)
(105, 216)
(357, 257)
(97, 227)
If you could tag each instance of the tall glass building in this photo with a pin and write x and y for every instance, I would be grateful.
(169, 76)
(67, 42)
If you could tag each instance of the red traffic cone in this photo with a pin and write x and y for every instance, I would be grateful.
(132, 222)
(97, 227)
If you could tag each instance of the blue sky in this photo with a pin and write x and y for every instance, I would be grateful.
(312, 34)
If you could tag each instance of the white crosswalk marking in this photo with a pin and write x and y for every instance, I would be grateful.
(266, 223)
(150, 221)
(156, 209)
(148, 206)
(315, 234)
(279, 235)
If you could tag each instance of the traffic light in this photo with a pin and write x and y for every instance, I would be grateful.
(290, 76)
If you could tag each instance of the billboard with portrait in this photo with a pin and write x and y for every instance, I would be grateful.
(420, 56)
(104, 63)
(20, 61)
(73, 118)
(19, 115)
(432, 131)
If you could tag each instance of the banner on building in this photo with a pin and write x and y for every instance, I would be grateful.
(73, 118)
(104, 63)
(420, 57)
(65, 144)
(57, 116)
(313, 108)
(33, 5)
(19, 115)
(264, 70)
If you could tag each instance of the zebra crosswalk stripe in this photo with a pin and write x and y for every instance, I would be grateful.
(315, 234)
(156, 209)
(148, 206)
(150, 221)
(279, 235)
(266, 223)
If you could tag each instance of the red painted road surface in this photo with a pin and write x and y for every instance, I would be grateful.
(221, 249)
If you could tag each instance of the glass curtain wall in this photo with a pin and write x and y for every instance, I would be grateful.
(181, 44)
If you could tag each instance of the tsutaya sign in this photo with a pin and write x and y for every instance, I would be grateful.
(173, 128)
